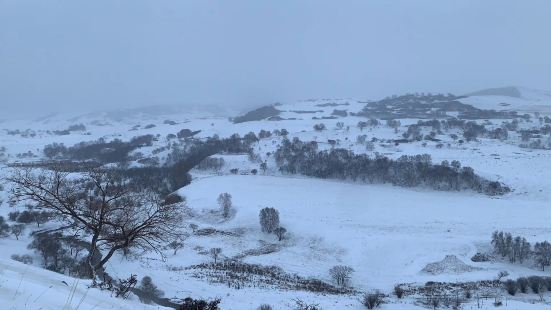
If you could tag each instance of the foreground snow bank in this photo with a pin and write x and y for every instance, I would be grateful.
(27, 287)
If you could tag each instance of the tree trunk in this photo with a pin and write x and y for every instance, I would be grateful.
(91, 251)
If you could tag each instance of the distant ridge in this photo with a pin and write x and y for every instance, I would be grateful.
(508, 91)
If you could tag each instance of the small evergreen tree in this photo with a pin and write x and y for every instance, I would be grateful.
(149, 290)
(224, 200)
(269, 220)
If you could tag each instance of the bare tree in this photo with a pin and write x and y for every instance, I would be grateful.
(17, 230)
(100, 204)
(341, 274)
(542, 253)
(224, 200)
(264, 167)
(280, 233)
(176, 245)
(502, 274)
(215, 253)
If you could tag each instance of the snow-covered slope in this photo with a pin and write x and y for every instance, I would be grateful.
(511, 98)
(28, 287)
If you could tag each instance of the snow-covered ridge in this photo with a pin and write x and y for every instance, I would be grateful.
(511, 98)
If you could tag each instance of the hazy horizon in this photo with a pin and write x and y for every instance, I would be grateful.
(86, 56)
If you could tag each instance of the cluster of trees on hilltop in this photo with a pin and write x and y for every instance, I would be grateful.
(257, 114)
(298, 157)
(427, 106)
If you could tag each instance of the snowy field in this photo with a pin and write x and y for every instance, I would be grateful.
(387, 234)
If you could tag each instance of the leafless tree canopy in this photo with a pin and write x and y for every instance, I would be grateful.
(215, 253)
(341, 274)
(101, 209)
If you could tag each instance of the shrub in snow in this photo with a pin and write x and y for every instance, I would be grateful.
(25, 258)
(361, 139)
(264, 307)
(149, 291)
(537, 284)
(372, 300)
(369, 146)
(301, 305)
(124, 286)
(511, 287)
(522, 284)
(480, 257)
(398, 291)
(280, 233)
(264, 134)
(319, 127)
(198, 304)
(173, 198)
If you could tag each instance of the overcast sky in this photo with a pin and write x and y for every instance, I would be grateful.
(98, 54)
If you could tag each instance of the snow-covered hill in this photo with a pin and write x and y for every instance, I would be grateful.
(386, 233)
(511, 98)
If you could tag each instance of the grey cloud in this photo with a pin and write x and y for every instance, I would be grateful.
(85, 55)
